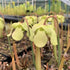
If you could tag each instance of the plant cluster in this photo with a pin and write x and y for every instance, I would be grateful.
(56, 6)
(39, 30)
(27, 9)
(14, 10)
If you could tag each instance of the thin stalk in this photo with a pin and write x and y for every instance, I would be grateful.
(38, 59)
(13, 62)
(65, 8)
(53, 5)
(31, 42)
(61, 64)
(33, 54)
(55, 53)
(58, 6)
(59, 49)
(58, 40)
(64, 44)
(54, 47)
(57, 31)
(16, 56)
(49, 5)
(61, 36)
(68, 42)
(9, 45)
(68, 46)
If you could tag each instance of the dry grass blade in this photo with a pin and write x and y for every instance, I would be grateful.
(68, 39)
(16, 56)
(61, 64)
(68, 45)
(47, 67)
(13, 63)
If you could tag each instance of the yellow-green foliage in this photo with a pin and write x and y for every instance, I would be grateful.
(1, 27)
